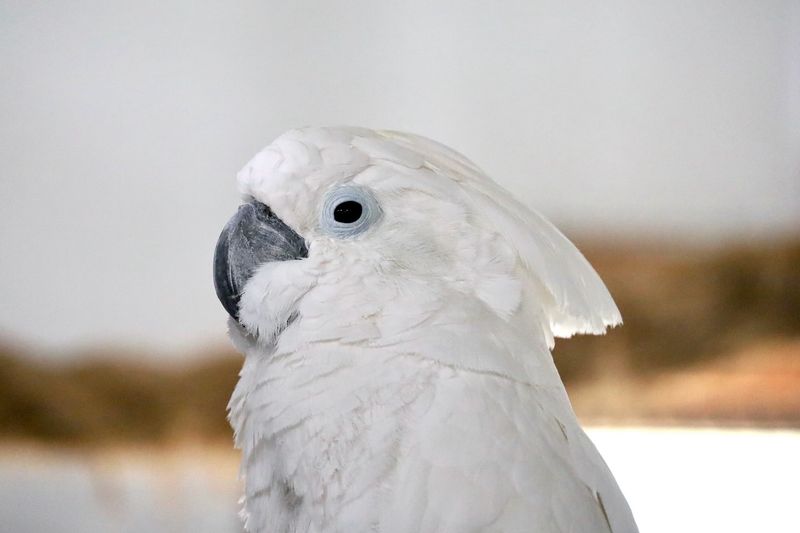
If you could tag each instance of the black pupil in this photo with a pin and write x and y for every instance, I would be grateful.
(347, 212)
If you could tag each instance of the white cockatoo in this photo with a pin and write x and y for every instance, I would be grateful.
(396, 309)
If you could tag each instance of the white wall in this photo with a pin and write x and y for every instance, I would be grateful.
(122, 125)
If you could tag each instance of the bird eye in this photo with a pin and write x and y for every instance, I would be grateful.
(348, 211)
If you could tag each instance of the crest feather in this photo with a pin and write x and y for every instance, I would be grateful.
(579, 301)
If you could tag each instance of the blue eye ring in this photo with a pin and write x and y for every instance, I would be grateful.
(348, 211)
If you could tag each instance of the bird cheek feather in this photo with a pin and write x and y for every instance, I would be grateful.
(270, 297)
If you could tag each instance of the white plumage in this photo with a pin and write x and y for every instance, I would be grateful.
(413, 389)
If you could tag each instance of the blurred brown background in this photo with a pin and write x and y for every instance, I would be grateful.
(711, 336)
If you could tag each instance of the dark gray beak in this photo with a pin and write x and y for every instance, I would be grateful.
(253, 236)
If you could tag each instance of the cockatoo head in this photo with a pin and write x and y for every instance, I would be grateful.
(352, 229)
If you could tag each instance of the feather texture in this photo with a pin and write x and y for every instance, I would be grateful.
(401, 380)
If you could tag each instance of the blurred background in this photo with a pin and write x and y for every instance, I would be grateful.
(662, 137)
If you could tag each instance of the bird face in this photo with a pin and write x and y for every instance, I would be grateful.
(361, 233)
(260, 258)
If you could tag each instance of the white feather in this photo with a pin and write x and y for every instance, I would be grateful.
(413, 389)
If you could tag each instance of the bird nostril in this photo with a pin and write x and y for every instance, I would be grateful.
(262, 209)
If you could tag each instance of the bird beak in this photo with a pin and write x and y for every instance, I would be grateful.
(252, 237)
